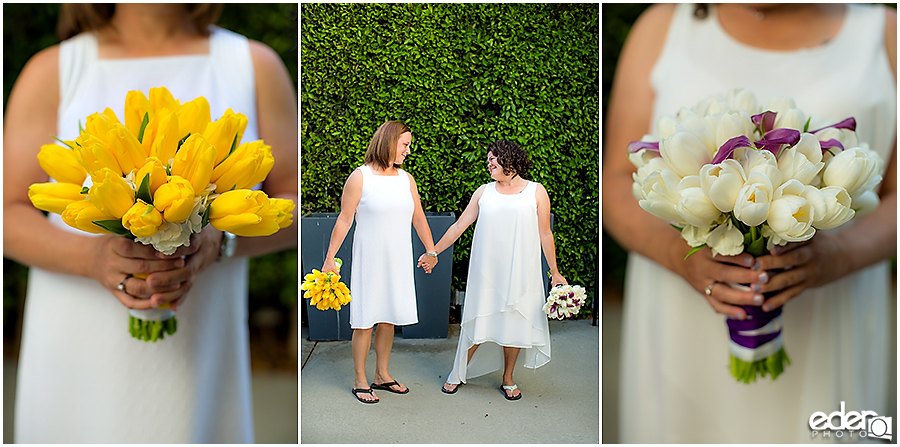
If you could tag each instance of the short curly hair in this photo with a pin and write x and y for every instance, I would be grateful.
(511, 157)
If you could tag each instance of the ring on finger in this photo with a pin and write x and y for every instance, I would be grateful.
(708, 290)
(121, 286)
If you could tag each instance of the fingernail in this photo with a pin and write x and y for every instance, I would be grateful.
(756, 266)
(739, 316)
(748, 261)
(757, 299)
(776, 250)
(763, 277)
(756, 287)
(766, 308)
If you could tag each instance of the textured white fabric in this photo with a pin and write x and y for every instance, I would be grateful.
(82, 378)
(381, 281)
(676, 386)
(504, 291)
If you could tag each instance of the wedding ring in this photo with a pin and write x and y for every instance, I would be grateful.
(708, 290)
(121, 286)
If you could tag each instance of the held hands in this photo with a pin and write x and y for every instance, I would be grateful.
(710, 277)
(427, 262)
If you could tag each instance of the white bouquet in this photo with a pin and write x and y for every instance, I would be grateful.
(564, 301)
(736, 177)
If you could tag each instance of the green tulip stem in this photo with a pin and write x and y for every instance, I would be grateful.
(151, 331)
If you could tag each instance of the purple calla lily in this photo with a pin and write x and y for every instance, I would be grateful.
(765, 121)
(636, 146)
(832, 143)
(773, 140)
(726, 150)
(849, 124)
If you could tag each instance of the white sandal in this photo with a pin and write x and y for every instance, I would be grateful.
(510, 388)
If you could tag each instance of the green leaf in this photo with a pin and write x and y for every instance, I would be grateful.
(63, 142)
(806, 126)
(85, 190)
(181, 141)
(143, 191)
(694, 250)
(144, 123)
(114, 226)
(204, 219)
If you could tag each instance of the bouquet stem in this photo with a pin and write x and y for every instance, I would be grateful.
(748, 371)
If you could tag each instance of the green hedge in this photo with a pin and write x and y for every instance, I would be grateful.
(461, 76)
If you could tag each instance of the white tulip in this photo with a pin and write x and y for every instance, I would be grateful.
(722, 183)
(865, 203)
(760, 161)
(832, 206)
(695, 236)
(660, 192)
(790, 119)
(732, 124)
(726, 240)
(694, 206)
(752, 205)
(802, 161)
(653, 164)
(781, 105)
(665, 126)
(855, 169)
(742, 99)
(790, 214)
(846, 137)
(685, 153)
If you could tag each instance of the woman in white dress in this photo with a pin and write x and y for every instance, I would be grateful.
(675, 382)
(82, 378)
(385, 200)
(505, 293)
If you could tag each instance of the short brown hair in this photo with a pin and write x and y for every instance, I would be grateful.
(383, 146)
(75, 18)
(511, 157)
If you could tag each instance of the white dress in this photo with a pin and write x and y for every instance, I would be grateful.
(676, 386)
(381, 280)
(504, 291)
(82, 378)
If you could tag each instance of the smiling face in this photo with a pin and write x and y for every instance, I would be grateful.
(402, 149)
(496, 170)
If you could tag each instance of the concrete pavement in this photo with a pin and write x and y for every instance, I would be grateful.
(560, 403)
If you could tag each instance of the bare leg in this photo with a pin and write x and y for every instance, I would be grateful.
(384, 340)
(360, 343)
(509, 362)
(452, 386)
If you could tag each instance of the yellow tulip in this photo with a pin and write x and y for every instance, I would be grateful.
(99, 124)
(175, 199)
(125, 148)
(194, 162)
(54, 197)
(284, 217)
(136, 106)
(157, 172)
(142, 219)
(94, 155)
(161, 136)
(249, 213)
(111, 193)
(61, 164)
(247, 166)
(160, 98)
(193, 116)
(82, 215)
(223, 132)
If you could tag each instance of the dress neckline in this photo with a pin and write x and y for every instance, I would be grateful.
(527, 184)
(730, 40)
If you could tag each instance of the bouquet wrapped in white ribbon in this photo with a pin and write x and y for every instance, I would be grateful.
(736, 177)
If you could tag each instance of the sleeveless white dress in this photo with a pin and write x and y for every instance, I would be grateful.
(381, 282)
(504, 290)
(676, 386)
(82, 378)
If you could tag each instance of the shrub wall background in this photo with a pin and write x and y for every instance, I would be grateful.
(461, 76)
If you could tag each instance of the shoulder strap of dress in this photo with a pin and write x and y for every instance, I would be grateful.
(233, 69)
(76, 54)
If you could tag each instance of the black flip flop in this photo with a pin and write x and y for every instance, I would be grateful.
(387, 387)
(368, 391)
(455, 389)
(507, 396)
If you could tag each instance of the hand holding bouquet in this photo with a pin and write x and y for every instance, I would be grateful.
(325, 290)
(158, 178)
(736, 177)
(564, 301)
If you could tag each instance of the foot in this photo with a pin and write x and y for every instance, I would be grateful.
(449, 388)
(364, 396)
(511, 391)
(395, 387)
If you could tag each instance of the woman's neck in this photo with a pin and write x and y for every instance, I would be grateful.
(511, 182)
(146, 30)
(378, 170)
(783, 27)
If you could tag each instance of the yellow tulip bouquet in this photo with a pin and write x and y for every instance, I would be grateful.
(159, 178)
(325, 290)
